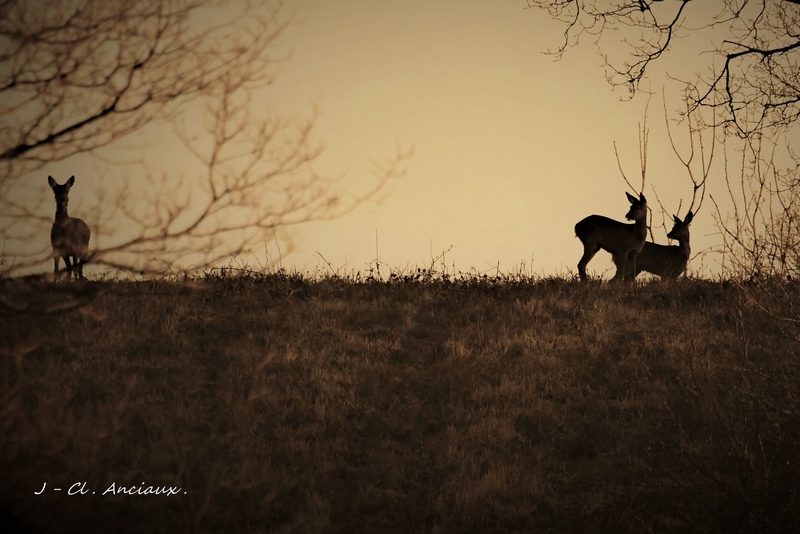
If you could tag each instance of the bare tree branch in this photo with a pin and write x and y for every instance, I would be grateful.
(86, 77)
(758, 86)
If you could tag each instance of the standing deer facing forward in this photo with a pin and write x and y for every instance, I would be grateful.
(623, 240)
(668, 262)
(69, 235)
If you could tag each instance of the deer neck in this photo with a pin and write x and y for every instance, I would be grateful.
(683, 246)
(61, 212)
(641, 226)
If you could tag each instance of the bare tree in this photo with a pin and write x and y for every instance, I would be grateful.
(669, 262)
(751, 89)
(760, 218)
(86, 77)
(753, 80)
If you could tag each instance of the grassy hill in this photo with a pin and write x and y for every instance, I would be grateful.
(283, 404)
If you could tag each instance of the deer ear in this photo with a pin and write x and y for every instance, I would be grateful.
(689, 217)
(631, 198)
(676, 219)
(641, 197)
(51, 181)
(70, 182)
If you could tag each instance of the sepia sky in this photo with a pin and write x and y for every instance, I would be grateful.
(511, 148)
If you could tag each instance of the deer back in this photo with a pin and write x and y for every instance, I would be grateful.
(610, 235)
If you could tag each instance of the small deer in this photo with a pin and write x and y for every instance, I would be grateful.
(624, 240)
(668, 262)
(69, 235)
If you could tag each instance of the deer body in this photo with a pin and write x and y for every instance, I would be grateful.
(624, 240)
(69, 236)
(666, 261)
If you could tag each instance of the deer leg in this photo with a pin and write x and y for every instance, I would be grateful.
(68, 264)
(588, 254)
(630, 267)
(619, 262)
(55, 268)
(76, 267)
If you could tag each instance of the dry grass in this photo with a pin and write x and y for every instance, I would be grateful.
(280, 404)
